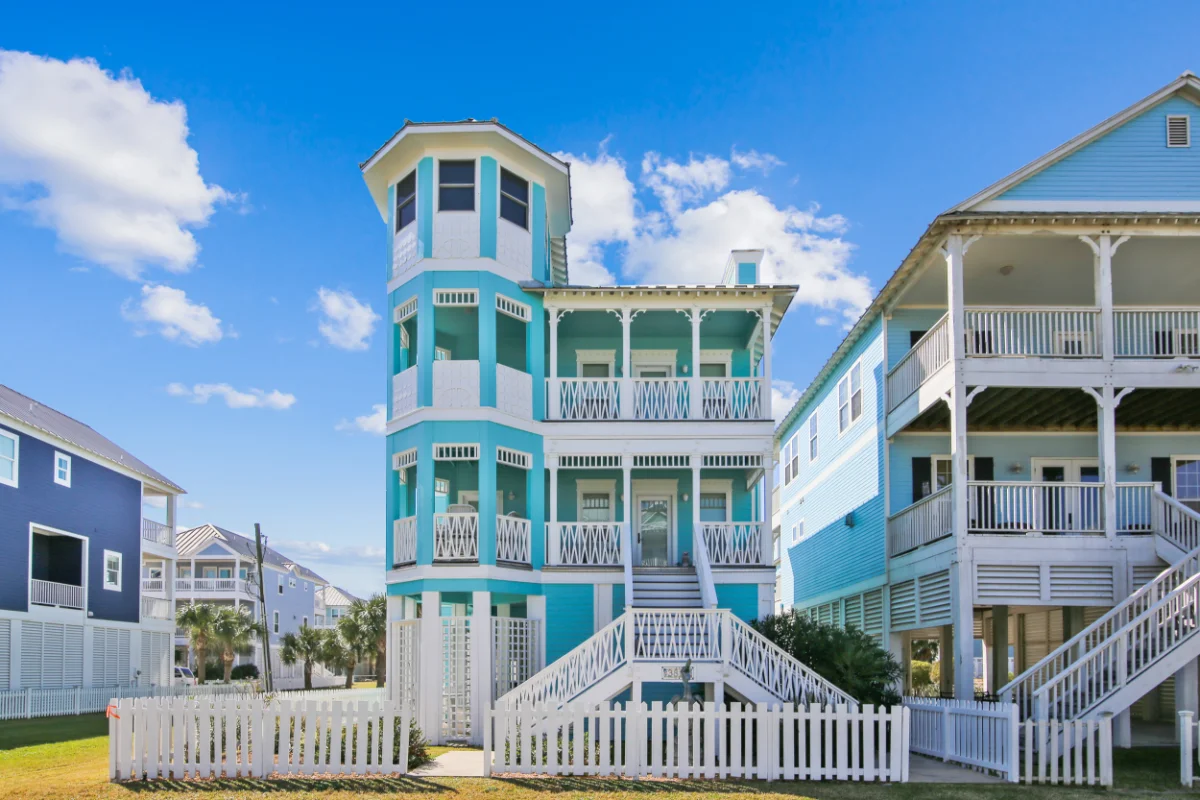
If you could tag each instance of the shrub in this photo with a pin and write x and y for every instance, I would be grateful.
(418, 746)
(921, 672)
(846, 657)
(244, 672)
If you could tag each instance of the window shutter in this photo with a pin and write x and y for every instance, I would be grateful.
(1160, 472)
(922, 477)
(985, 469)
(914, 337)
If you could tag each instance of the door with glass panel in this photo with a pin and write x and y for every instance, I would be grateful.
(1062, 508)
(717, 402)
(654, 531)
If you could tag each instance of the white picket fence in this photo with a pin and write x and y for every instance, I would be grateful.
(1187, 747)
(255, 736)
(633, 740)
(30, 703)
(977, 734)
(1077, 751)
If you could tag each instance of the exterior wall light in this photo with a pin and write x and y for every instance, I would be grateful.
(1133, 469)
(1016, 468)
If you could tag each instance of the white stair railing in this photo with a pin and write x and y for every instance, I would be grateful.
(1176, 523)
(1021, 689)
(594, 659)
(708, 591)
(733, 543)
(675, 634)
(512, 539)
(455, 537)
(768, 665)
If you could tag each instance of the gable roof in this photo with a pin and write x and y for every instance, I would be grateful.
(337, 596)
(28, 411)
(193, 540)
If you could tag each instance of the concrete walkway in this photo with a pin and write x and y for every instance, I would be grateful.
(456, 764)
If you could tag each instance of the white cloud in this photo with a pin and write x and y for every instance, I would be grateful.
(103, 164)
(345, 322)
(194, 505)
(349, 555)
(252, 398)
(784, 395)
(676, 184)
(752, 159)
(374, 423)
(605, 212)
(176, 317)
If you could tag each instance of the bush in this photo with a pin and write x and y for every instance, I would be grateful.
(244, 672)
(922, 678)
(846, 657)
(418, 746)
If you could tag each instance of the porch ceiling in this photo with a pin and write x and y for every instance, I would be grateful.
(1020, 409)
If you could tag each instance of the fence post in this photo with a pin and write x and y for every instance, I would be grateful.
(28, 703)
(78, 692)
(1106, 774)
(1185, 748)
(1014, 743)
(946, 732)
(487, 742)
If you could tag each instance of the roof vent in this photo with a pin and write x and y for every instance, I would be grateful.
(1179, 130)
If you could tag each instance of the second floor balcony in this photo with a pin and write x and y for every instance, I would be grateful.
(215, 586)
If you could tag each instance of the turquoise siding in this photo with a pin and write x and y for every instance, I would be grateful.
(462, 586)
(618, 604)
(488, 213)
(570, 611)
(901, 325)
(747, 273)
(846, 478)
(740, 598)
(425, 204)
(1132, 162)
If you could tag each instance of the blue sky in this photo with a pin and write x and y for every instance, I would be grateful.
(835, 132)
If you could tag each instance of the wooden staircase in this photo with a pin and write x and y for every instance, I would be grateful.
(666, 587)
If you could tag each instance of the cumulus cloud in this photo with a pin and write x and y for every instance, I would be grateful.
(373, 423)
(174, 316)
(98, 160)
(349, 555)
(784, 395)
(701, 215)
(251, 398)
(346, 322)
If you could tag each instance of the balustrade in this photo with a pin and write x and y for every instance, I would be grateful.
(49, 593)
(455, 537)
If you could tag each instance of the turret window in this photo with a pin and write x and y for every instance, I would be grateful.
(406, 200)
(514, 199)
(456, 186)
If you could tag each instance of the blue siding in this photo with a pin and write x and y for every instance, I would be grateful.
(100, 504)
(1132, 162)
(900, 327)
(740, 598)
(488, 213)
(571, 609)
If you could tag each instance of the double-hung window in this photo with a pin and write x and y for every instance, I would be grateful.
(279, 578)
(275, 622)
(456, 186)
(406, 200)
(514, 198)
(850, 399)
(10, 457)
(1187, 482)
(62, 469)
(596, 507)
(112, 571)
(812, 438)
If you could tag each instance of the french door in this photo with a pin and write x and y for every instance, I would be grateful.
(654, 524)
(1064, 508)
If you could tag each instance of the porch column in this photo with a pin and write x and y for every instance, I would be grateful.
(430, 677)
(765, 411)
(554, 390)
(963, 679)
(766, 540)
(424, 496)
(487, 345)
(628, 510)
(237, 573)
(1107, 400)
(554, 556)
(954, 252)
(998, 673)
(626, 386)
(946, 660)
(697, 534)
(487, 497)
(696, 409)
(481, 660)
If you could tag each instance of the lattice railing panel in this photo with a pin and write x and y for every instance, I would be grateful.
(455, 537)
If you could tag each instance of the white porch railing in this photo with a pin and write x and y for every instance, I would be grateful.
(404, 541)
(404, 392)
(514, 392)
(455, 384)
(1156, 332)
(1029, 507)
(1033, 331)
(1135, 507)
(660, 398)
(733, 542)
(455, 537)
(516, 652)
(927, 520)
(157, 532)
(210, 585)
(927, 356)
(153, 585)
(49, 593)
(513, 542)
(732, 398)
(588, 398)
(593, 544)
(156, 608)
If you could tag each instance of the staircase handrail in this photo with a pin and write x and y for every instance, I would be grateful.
(594, 658)
(1166, 500)
(1189, 586)
(627, 559)
(774, 668)
(1114, 619)
(708, 592)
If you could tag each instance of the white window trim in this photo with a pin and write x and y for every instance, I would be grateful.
(437, 185)
(16, 440)
(415, 199)
(120, 570)
(837, 397)
(501, 193)
(596, 486)
(813, 435)
(279, 582)
(1187, 128)
(653, 359)
(723, 357)
(798, 532)
(605, 357)
(448, 356)
(1175, 475)
(67, 481)
(933, 462)
(719, 486)
(275, 621)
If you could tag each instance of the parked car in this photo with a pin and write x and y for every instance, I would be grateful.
(184, 676)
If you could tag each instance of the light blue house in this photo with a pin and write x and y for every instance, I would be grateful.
(1007, 444)
(570, 469)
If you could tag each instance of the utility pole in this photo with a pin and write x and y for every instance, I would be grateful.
(268, 682)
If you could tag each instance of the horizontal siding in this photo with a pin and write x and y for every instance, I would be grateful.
(1132, 162)
(571, 609)
(838, 555)
(740, 598)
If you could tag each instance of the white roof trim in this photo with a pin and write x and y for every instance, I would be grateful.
(460, 127)
(1184, 81)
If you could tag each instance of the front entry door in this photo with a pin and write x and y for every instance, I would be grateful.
(654, 530)
(1065, 510)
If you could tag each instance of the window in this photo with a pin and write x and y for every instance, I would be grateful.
(10, 456)
(850, 398)
(275, 621)
(112, 571)
(441, 354)
(812, 438)
(714, 507)
(225, 573)
(1187, 481)
(406, 200)
(593, 370)
(306, 586)
(797, 531)
(62, 469)
(304, 623)
(279, 578)
(514, 198)
(456, 186)
(291, 582)
(1179, 130)
(791, 459)
(595, 508)
(943, 471)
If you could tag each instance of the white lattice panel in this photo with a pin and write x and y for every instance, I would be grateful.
(455, 537)
(404, 542)
(516, 649)
(660, 398)
(514, 392)
(586, 543)
(588, 398)
(513, 539)
(732, 398)
(456, 678)
(406, 250)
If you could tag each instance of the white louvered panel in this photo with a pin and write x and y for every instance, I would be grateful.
(124, 668)
(73, 654)
(31, 654)
(154, 664)
(934, 597)
(1093, 613)
(1143, 574)
(52, 655)
(904, 605)
(5, 654)
(1036, 646)
(1076, 582)
(1007, 582)
(1179, 133)
(982, 631)
(852, 612)
(873, 613)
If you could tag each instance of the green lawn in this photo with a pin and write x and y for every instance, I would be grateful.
(67, 757)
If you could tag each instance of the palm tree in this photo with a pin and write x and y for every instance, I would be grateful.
(308, 646)
(356, 642)
(372, 616)
(199, 620)
(234, 631)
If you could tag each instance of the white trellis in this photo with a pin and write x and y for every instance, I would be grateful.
(404, 657)
(456, 678)
(455, 537)
(661, 398)
(516, 652)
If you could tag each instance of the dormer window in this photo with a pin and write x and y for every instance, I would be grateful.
(456, 186)
(406, 200)
(514, 199)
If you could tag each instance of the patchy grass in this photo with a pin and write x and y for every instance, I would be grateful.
(67, 757)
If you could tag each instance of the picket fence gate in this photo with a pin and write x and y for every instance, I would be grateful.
(1076, 751)
(255, 736)
(698, 741)
(977, 734)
